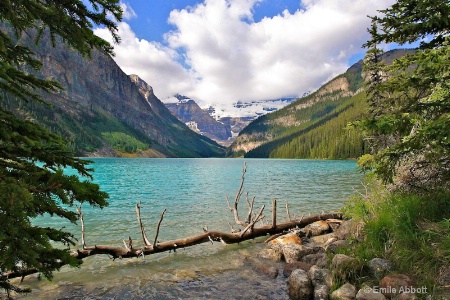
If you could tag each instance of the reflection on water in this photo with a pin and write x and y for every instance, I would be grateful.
(193, 191)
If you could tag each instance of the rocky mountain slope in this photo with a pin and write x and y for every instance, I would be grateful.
(215, 122)
(102, 111)
(310, 125)
(199, 120)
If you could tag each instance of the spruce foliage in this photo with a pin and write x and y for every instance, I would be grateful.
(33, 180)
(409, 118)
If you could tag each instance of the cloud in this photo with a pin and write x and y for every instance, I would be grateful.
(153, 62)
(219, 54)
(127, 11)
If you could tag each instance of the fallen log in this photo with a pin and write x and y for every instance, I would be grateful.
(173, 245)
(205, 237)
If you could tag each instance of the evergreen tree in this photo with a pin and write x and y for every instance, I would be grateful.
(32, 160)
(409, 119)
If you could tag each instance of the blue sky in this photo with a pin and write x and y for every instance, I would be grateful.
(152, 22)
(219, 52)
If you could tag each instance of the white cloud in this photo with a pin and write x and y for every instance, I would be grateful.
(218, 54)
(127, 11)
(153, 62)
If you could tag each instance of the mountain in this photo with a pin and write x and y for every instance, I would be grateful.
(313, 126)
(221, 123)
(199, 120)
(103, 112)
(247, 110)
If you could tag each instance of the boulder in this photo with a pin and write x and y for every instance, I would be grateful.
(345, 292)
(322, 239)
(349, 229)
(321, 292)
(300, 286)
(334, 223)
(407, 296)
(341, 259)
(271, 254)
(293, 253)
(380, 267)
(319, 259)
(317, 228)
(320, 276)
(287, 239)
(288, 268)
(367, 293)
(336, 245)
(394, 284)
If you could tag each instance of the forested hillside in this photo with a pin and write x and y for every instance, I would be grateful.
(331, 139)
(314, 126)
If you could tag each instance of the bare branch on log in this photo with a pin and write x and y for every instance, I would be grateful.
(80, 215)
(138, 215)
(287, 211)
(157, 229)
(234, 209)
(250, 208)
(252, 224)
(274, 213)
(125, 245)
(234, 230)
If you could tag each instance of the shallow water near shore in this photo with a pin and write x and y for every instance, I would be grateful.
(193, 191)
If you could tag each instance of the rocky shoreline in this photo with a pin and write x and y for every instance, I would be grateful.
(314, 269)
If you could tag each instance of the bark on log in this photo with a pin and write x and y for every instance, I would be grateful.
(218, 236)
(225, 237)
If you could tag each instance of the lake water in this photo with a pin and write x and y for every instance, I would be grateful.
(194, 193)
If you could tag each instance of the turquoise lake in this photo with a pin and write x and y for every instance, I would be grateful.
(194, 193)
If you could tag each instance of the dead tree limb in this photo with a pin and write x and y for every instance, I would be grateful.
(274, 213)
(239, 193)
(80, 215)
(157, 228)
(287, 211)
(252, 223)
(138, 215)
(250, 208)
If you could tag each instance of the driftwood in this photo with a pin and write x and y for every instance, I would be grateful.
(217, 236)
(249, 231)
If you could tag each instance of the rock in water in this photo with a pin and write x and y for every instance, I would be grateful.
(321, 292)
(300, 286)
(320, 276)
(289, 268)
(271, 254)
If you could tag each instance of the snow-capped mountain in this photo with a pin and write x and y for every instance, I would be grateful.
(221, 122)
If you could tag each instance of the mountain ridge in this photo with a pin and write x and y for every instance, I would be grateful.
(263, 136)
(100, 108)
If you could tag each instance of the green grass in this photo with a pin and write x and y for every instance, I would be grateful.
(411, 230)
